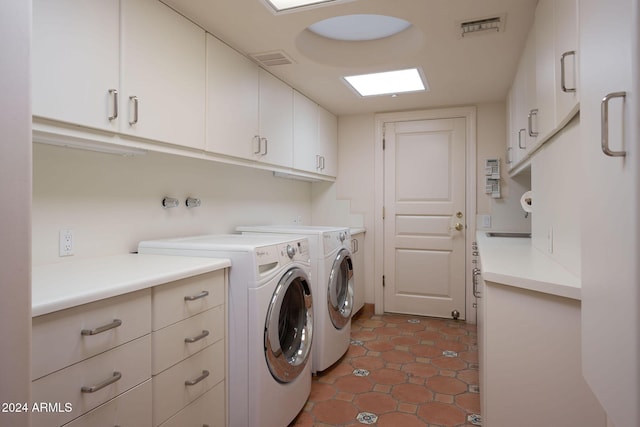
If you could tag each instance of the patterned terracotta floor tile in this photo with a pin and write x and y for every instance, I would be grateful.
(406, 371)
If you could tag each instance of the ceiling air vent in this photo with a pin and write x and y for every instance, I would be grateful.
(269, 59)
(490, 25)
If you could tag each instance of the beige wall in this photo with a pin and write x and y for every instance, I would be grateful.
(112, 202)
(15, 193)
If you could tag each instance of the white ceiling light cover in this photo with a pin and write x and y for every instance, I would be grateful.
(388, 82)
(359, 27)
(280, 5)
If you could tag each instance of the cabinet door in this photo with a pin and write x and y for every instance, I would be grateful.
(545, 68)
(305, 133)
(276, 121)
(76, 61)
(566, 63)
(232, 101)
(611, 207)
(163, 69)
(530, 92)
(328, 142)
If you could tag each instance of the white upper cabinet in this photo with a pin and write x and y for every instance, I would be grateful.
(609, 110)
(566, 50)
(545, 114)
(134, 67)
(315, 133)
(163, 69)
(76, 74)
(249, 112)
(276, 121)
(327, 142)
(232, 102)
(305, 133)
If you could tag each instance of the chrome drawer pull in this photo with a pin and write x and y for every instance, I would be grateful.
(204, 375)
(100, 329)
(114, 93)
(204, 334)
(195, 297)
(136, 103)
(116, 376)
(604, 124)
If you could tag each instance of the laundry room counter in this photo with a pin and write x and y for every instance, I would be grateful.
(513, 261)
(68, 284)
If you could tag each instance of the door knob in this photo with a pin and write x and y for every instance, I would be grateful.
(458, 226)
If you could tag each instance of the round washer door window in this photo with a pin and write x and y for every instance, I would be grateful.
(340, 291)
(289, 326)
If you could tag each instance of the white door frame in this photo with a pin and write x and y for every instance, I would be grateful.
(469, 114)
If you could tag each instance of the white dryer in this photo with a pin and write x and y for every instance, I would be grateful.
(332, 283)
(270, 322)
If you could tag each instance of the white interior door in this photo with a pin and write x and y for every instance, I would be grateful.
(424, 224)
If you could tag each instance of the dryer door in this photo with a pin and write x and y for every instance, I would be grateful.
(289, 326)
(340, 291)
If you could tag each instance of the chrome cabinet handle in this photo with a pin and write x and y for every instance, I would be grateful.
(476, 273)
(100, 329)
(197, 338)
(136, 103)
(532, 113)
(322, 160)
(520, 139)
(509, 161)
(114, 94)
(562, 72)
(197, 296)
(604, 124)
(257, 138)
(115, 377)
(195, 381)
(266, 146)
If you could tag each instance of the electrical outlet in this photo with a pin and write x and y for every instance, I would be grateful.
(486, 221)
(66, 242)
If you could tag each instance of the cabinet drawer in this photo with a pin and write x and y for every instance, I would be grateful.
(170, 391)
(130, 360)
(187, 297)
(170, 345)
(63, 338)
(130, 409)
(208, 409)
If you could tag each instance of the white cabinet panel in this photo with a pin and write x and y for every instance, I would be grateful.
(75, 54)
(610, 213)
(163, 67)
(57, 340)
(129, 361)
(276, 121)
(328, 142)
(232, 101)
(209, 409)
(132, 408)
(566, 63)
(545, 68)
(305, 133)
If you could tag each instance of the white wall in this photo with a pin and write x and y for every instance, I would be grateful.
(112, 202)
(15, 193)
(555, 179)
(506, 213)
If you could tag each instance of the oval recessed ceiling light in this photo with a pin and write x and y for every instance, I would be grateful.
(359, 27)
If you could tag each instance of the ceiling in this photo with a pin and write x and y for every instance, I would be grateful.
(459, 71)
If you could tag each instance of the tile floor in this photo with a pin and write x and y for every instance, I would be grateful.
(399, 371)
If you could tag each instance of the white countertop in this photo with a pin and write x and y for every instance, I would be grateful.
(68, 284)
(357, 230)
(515, 262)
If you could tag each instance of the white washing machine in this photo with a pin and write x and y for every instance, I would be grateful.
(270, 322)
(332, 284)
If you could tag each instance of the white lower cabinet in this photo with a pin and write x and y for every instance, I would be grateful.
(138, 359)
(529, 352)
(92, 382)
(130, 409)
(207, 410)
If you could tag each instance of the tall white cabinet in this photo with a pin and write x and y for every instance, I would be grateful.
(611, 205)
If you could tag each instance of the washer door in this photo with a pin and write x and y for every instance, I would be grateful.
(288, 329)
(340, 291)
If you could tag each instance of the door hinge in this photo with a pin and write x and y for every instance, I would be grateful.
(384, 137)
(383, 282)
(383, 212)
